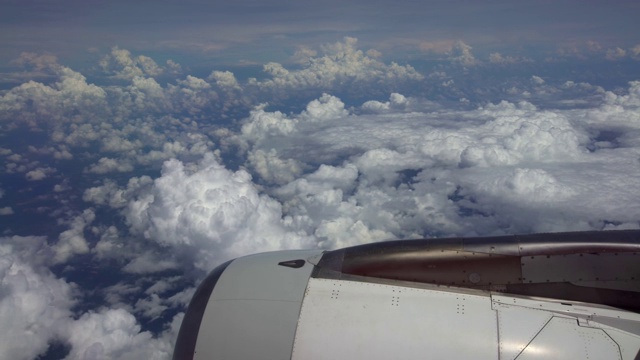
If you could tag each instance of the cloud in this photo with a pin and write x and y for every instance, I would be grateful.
(272, 168)
(341, 65)
(122, 65)
(36, 312)
(149, 262)
(69, 97)
(396, 102)
(7, 210)
(110, 194)
(225, 79)
(497, 58)
(35, 175)
(616, 54)
(180, 174)
(115, 334)
(72, 241)
(39, 62)
(107, 165)
(34, 304)
(635, 52)
(461, 53)
(208, 213)
(537, 80)
(408, 166)
(527, 185)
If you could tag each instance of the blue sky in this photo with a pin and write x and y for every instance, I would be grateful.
(142, 144)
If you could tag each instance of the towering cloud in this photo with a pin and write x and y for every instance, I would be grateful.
(208, 214)
(343, 66)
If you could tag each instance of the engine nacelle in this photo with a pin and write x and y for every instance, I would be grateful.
(542, 296)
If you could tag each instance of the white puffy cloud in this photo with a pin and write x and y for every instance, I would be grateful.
(324, 108)
(322, 203)
(110, 194)
(527, 185)
(537, 80)
(72, 241)
(115, 334)
(341, 65)
(66, 100)
(496, 161)
(209, 214)
(623, 104)
(616, 54)
(510, 133)
(272, 168)
(262, 122)
(225, 80)
(149, 262)
(328, 176)
(497, 58)
(396, 102)
(34, 305)
(35, 175)
(461, 53)
(635, 52)
(122, 65)
(107, 165)
(520, 133)
(7, 210)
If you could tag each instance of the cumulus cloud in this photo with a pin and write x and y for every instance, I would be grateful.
(209, 214)
(110, 194)
(149, 262)
(497, 58)
(115, 334)
(272, 168)
(35, 175)
(121, 64)
(635, 52)
(36, 312)
(531, 158)
(341, 65)
(537, 80)
(34, 304)
(225, 79)
(72, 241)
(182, 174)
(396, 102)
(107, 165)
(616, 54)
(461, 53)
(66, 99)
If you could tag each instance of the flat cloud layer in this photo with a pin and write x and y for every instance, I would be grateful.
(120, 194)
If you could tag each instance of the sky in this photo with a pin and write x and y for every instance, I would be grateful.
(143, 144)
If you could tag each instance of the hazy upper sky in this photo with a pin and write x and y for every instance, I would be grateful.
(270, 30)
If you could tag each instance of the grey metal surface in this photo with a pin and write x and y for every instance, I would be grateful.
(581, 267)
(188, 335)
(357, 320)
(253, 311)
(563, 339)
